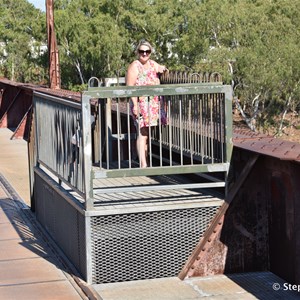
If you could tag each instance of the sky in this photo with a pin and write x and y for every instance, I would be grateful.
(38, 4)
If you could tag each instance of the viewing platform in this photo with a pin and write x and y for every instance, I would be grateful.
(50, 278)
(191, 214)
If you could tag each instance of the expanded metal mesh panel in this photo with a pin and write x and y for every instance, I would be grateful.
(63, 222)
(145, 245)
(58, 138)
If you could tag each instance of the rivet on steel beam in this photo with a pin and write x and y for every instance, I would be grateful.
(220, 223)
(209, 240)
(203, 249)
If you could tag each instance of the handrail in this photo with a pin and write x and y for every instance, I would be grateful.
(196, 139)
(199, 127)
(158, 90)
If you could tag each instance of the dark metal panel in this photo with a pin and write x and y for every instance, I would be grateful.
(14, 105)
(283, 235)
(261, 228)
(62, 220)
(205, 254)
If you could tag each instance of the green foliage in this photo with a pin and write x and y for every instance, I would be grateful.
(253, 44)
(22, 31)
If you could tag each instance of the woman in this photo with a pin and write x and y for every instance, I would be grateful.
(146, 110)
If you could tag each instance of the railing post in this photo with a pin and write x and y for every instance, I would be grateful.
(228, 122)
(228, 129)
(108, 118)
(87, 152)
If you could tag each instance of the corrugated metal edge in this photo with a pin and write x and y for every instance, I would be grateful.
(44, 89)
(266, 145)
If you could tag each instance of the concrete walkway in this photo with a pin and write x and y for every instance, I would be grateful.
(14, 163)
(29, 268)
(32, 268)
(256, 285)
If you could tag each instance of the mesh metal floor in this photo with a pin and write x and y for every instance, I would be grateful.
(147, 245)
(139, 235)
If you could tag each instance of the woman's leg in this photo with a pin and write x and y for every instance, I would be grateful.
(142, 146)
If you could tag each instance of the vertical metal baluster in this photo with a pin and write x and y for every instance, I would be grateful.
(68, 144)
(222, 127)
(81, 169)
(129, 132)
(197, 125)
(203, 122)
(74, 159)
(218, 136)
(108, 132)
(139, 132)
(180, 131)
(149, 132)
(207, 120)
(206, 128)
(159, 133)
(211, 130)
(87, 144)
(170, 131)
(78, 152)
(175, 129)
(174, 114)
(59, 139)
(118, 132)
(100, 133)
(216, 129)
(190, 130)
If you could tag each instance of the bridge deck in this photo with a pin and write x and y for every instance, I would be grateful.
(238, 286)
(145, 193)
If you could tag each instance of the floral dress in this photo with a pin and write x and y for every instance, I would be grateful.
(152, 107)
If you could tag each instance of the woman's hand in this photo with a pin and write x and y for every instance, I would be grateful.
(162, 69)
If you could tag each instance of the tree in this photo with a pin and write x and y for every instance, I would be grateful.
(252, 44)
(258, 41)
(21, 32)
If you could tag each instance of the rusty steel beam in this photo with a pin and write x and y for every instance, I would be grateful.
(22, 131)
(215, 226)
(4, 118)
(266, 145)
(54, 68)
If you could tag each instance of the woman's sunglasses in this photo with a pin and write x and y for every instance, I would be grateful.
(145, 51)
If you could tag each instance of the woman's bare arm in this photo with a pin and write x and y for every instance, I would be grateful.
(160, 68)
(131, 77)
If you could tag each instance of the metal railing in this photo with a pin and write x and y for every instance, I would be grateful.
(196, 136)
(58, 132)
